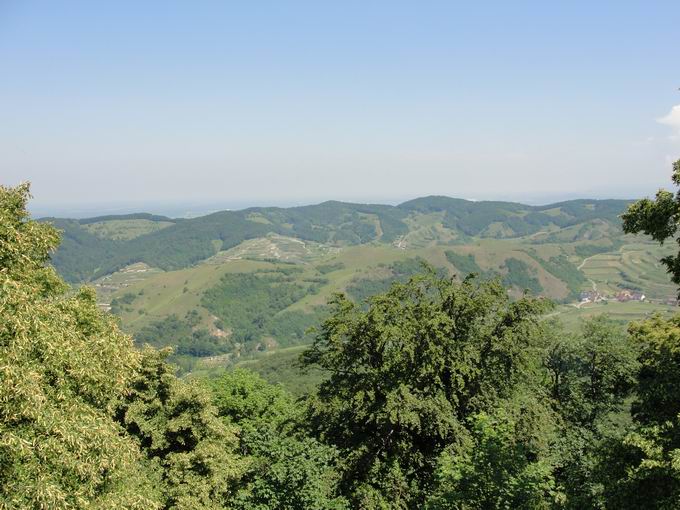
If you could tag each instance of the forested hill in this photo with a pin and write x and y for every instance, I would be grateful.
(94, 247)
(475, 218)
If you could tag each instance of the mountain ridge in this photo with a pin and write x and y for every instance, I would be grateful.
(87, 252)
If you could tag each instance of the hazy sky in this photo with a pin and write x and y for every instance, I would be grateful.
(293, 102)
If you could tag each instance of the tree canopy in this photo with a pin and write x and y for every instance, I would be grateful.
(658, 218)
(407, 374)
(87, 420)
(63, 365)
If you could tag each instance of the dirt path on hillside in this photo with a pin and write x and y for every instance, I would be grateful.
(592, 282)
(584, 262)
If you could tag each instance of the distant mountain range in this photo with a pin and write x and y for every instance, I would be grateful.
(94, 247)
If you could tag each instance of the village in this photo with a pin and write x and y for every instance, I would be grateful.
(623, 296)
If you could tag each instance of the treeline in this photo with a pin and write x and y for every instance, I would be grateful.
(133, 216)
(520, 275)
(182, 335)
(81, 254)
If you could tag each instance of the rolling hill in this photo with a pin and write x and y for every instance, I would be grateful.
(235, 283)
(94, 247)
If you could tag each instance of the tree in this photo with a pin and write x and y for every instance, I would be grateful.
(593, 372)
(659, 218)
(590, 376)
(63, 366)
(644, 467)
(86, 420)
(245, 399)
(494, 467)
(287, 469)
(177, 429)
(406, 375)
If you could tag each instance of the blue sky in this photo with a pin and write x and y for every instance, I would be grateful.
(293, 102)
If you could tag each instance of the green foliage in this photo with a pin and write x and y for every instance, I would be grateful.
(494, 467)
(127, 217)
(290, 473)
(641, 470)
(658, 218)
(659, 378)
(177, 428)
(434, 393)
(406, 374)
(592, 373)
(121, 229)
(642, 467)
(119, 304)
(561, 268)
(87, 421)
(362, 289)
(81, 254)
(342, 222)
(246, 302)
(183, 337)
(282, 367)
(287, 470)
(252, 306)
(63, 365)
(591, 376)
(607, 365)
(84, 256)
(244, 398)
(466, 264)
(474, 218)
(520, 275)
(329, 268)
(290, 327)
(589, 249)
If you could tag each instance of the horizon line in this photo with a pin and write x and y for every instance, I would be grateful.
(199, 209)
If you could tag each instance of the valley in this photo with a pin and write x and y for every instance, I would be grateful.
(252, 282)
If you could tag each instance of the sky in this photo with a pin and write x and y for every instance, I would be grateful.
(112, 105)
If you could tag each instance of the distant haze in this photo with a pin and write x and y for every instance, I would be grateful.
(192, 107)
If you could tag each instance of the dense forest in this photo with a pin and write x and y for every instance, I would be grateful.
(433, 391)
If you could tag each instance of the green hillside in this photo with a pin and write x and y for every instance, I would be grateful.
(252, 305)
(508, 219)
(233, 284)
(94, 247)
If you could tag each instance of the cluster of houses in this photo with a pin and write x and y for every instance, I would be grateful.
(628, 295)
(593, 296)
